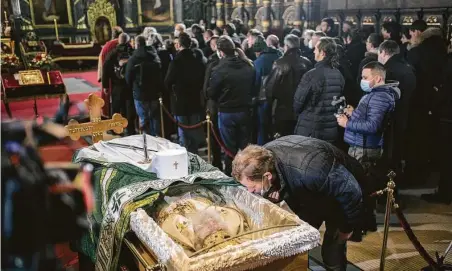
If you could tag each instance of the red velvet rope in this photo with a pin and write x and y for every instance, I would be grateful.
(197, 125)
(226, 151)
(409, 232)
(217, 138)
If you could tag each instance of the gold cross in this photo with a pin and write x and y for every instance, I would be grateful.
(175, 164)
(96, 127)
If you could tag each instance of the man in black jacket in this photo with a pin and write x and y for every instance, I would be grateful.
(184, 79)
(212, 62)
(318, 182)
(231, 88)
(315, 92)
(397, 69)
(143, 76)
(282, 82)
(113, 71)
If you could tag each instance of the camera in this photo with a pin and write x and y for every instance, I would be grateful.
(340, 103)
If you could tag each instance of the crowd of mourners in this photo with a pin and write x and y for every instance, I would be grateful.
(304, 116)
(256, 87)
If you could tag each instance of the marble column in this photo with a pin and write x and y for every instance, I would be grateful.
(266, 16)
(250, 6)
(241, 10)
(312, 13)
(298, 4)
(278, 9)
(228, 7)
(220, 13)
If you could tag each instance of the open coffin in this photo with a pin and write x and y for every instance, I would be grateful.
(210, 227)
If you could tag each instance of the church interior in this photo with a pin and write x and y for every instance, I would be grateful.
(93, 178)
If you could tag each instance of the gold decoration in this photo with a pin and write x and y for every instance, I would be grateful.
(388, 19)
(33, 22)
(100, 8)
(407, 20)
(368, 20)
(30, 77)
(96, 127)
(433, 20)
(351, 19)
(140, 18)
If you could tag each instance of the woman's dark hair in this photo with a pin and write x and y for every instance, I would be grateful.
(393, 28)
(375, 39)
(230, 29)
(329, 47)
(406, 32)
(197, 29)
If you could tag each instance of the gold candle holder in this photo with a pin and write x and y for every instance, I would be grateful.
(56, 29)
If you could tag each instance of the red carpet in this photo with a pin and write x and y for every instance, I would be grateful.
(48, 107)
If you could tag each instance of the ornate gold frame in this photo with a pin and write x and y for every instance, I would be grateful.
(51, 25)
(100, 8)
(140, 18)
(30, 77)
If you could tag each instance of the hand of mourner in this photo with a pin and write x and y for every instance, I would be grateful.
(348, 110)
(342, 120)
(274, 196)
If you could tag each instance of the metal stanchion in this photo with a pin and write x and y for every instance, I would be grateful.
(162, 125)
(389, 203)
(208, 136)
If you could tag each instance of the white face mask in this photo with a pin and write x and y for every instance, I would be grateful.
(310, 45)
(218, 53)
(176, 33)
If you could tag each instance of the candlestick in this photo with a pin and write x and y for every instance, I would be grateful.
(6, 15)
(56, 29)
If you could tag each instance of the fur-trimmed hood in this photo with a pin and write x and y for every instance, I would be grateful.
(428, 33)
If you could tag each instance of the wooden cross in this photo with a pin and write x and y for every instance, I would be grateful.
(96, 127)
(175, 164)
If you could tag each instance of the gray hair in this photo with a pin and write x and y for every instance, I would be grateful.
(148, 31)
(292, 41)
(123, 38)
(390, 47)
(272, 40)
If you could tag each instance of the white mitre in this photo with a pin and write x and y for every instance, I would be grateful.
(170, 164)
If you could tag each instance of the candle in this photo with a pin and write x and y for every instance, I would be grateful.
(6, 15)
(56, 29)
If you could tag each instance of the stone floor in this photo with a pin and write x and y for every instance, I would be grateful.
(431, 223)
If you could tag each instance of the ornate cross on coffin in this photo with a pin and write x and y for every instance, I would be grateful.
(96, 127)
(175, 164)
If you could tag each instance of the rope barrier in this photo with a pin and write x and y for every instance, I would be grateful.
(226, 151)
(405, 225)
(409, 232)
(197, 125)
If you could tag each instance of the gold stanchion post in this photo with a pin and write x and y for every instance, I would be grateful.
(389, 203)
(56, 29)
(208, 136)
(162, 125)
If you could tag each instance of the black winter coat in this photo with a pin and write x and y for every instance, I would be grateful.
(319, 181)
(312, 102)
(122, 51)
(143, 74)
(231, 85)
(398, 69)
(184, 80)
(428, 59)
(283, 81)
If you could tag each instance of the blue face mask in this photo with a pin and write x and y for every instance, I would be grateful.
(365, 86)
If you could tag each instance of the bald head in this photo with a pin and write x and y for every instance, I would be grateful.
(272, 41)
(123, 38)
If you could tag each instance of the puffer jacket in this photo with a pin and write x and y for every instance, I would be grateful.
(312, 102)
(364, 128)
(319, 181)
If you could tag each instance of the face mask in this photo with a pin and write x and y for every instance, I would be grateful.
(310, 44)
(176, 33)
(218, 53)
(365, 86)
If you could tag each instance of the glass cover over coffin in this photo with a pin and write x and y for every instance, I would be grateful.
(210, 227)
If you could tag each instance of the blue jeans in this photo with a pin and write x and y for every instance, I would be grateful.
(148, 115)
(235, 130)
(263, 122)
(190, 138)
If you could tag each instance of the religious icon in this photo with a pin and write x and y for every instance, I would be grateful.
(155, 11)
(44, 12)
